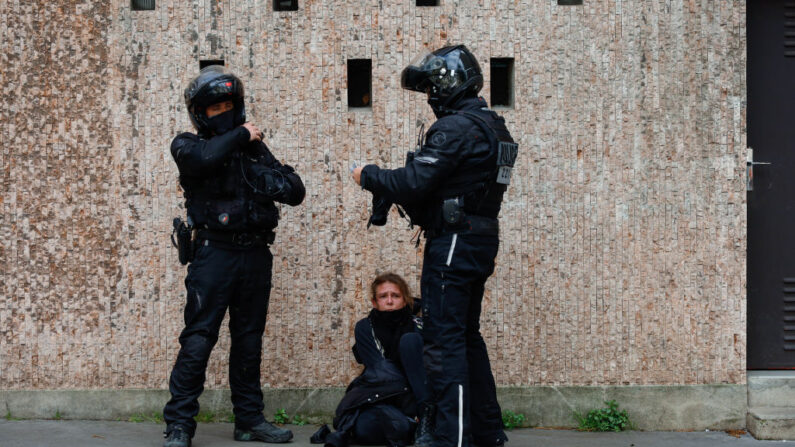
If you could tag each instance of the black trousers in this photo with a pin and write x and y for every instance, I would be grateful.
(454, 272)
(383, 425)
(221, 278)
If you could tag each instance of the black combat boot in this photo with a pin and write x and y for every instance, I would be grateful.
(499, 441)
(265, 432)
(177, 437)
(423, 437)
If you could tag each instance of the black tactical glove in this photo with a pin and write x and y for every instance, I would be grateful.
(267, 181)
(380, 211)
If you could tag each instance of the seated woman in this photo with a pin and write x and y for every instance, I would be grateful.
(380, 405)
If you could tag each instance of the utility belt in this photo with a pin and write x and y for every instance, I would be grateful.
(243, 240)
(468, 224)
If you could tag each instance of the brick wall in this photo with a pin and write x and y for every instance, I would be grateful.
(623, 233)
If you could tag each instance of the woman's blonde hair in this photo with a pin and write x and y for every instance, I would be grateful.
(397, 280)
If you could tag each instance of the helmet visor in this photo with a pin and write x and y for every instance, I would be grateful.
(416, 76)
(413, 79)
(421, 60)
(217, 90)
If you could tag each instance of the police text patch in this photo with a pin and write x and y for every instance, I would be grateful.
(506, 158)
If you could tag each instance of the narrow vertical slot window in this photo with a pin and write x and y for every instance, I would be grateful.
(360, 73)
(427, 2)
(285, 5)
(142, 5)
(502, 82)
(208, 62)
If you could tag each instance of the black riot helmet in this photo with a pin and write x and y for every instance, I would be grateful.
(213, 85)
(446, 74)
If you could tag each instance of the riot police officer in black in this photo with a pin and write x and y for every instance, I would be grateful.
(453, 187)
(230, 181)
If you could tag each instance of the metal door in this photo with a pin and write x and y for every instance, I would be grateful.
(771, 215)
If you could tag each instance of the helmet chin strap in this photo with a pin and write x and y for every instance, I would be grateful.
(442, 106)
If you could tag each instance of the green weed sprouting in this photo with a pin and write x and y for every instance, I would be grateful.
(299, 420)
(511, 420)
(205, 416)
(281, 417)
(604, 419)
(144, 417)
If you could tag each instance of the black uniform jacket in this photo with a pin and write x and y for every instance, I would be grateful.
(455, 149)
(231, 183)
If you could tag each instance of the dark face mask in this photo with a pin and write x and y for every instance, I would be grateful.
(222, 123)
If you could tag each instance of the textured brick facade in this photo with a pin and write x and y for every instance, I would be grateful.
(623, 234)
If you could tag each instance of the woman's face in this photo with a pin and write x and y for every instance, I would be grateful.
(388, 297)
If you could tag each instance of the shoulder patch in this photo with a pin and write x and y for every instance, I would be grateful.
(438, 138)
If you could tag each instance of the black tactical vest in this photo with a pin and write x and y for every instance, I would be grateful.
(224, 201)
(478, 180)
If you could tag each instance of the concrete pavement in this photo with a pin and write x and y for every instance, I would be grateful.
(50, 433)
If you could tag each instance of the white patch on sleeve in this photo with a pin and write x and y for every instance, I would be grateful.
(424, 159)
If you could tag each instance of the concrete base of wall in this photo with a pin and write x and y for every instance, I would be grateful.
(694, 407)
(317, 404)
(772, 423)
(771, 396)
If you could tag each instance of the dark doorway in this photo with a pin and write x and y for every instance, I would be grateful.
(771, 202)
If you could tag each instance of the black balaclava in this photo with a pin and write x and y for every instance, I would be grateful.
(222, 123)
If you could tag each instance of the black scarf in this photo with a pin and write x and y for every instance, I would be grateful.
(389, 326)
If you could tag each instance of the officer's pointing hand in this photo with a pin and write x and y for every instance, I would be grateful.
(356, 174)
(256, 134)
